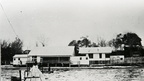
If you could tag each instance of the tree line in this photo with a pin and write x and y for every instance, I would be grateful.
(129, 43)
(9, 49)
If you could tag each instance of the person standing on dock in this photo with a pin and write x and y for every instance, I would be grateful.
(19, 62)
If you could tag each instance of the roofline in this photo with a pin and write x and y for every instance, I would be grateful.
(20, 56)
(51, 55)
(94, 52)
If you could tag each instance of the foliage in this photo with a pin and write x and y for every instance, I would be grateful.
(43, 40)
(112, 43)
(72, 43)
(94, 44)
(75, 43)
(129, 42)
(85, 42)
(16, 46)
(131, 39)
(101, 42)
(5, 51)
(8, 50)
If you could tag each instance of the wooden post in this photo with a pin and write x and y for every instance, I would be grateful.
(49, 69)
(27, 68)
(62, 64)
(78, 63)
(56, 65)
(20, 75)
(58, 59)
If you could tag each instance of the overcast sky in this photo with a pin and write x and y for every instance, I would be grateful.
(64, 20)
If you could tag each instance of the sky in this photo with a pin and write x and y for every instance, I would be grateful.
(61, 21)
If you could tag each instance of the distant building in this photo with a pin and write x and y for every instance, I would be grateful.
(97, 55)
(62, 56)
(117, 59)
(52, 55)
(79, 60)
(26, 51)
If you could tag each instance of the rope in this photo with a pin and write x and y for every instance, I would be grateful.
(8, 20)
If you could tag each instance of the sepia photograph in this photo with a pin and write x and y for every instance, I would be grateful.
(72, 40)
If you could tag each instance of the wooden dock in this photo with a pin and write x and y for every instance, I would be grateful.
(34, 75)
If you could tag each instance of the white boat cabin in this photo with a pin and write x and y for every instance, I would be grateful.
(79, 60)
(20, 59)
(116, 59)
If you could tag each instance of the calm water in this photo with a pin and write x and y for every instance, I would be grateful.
(136, 74)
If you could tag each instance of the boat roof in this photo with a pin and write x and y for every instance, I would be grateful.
(20, 55)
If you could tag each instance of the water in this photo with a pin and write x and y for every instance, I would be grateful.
(98, 75)
(6, 74)
(133, 74)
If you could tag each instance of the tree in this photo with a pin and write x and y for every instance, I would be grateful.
(76, 46)
(112, 43)
(85, 42)
(43, 40)
(72, 43)
(8, 50)
(16, 46)
(131, 39)
(5, 52)
(94, 45)
(130, 42)
(101, 42)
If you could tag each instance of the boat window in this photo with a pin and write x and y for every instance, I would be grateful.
(90, 55)
(100, 55)
(121, 58)
(107, 55)
(86, 58)
(34, 58)
(80, 58)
